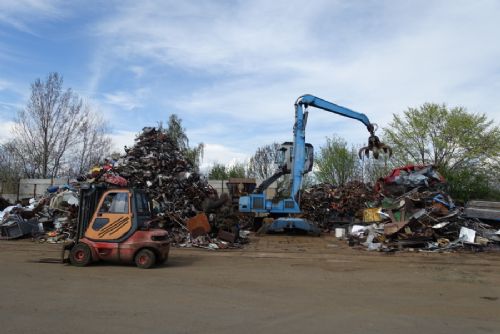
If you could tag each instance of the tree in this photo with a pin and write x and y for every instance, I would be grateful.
(464, 146)
(177, 133)
(10, 170)
(336, 163)
(236, 170)
(217, 172)
(221, 172)
(449, 138)
(261, 164)
(48, 126)
(94, 144)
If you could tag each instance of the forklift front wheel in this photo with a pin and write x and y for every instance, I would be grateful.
(80, 255)
(145, 259)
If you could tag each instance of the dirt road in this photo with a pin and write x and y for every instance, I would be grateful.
(276, 285)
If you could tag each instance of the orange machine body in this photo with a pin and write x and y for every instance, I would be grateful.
(113, 224)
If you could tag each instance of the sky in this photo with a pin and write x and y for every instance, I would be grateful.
(232, 70)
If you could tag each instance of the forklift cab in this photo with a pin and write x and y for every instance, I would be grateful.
(284, 157)
(119, 213)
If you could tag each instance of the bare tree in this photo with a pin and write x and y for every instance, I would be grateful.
(94, 144)
(261, 164)
(10, 170)
(49, 125)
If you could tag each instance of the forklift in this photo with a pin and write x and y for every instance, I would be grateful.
(113, 226)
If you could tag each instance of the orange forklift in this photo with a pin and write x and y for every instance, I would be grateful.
(113, 226)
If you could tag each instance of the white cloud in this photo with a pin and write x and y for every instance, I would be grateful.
(378, 58)
(126, 100)
(5, 130)
(21, 14)
(121, 139)
(217, 153)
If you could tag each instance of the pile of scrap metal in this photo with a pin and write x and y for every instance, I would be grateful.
(51, 218)
(327, 204)
(424, 220)
(408, 209)
(424, 217)
(178, 193)
(406, 178)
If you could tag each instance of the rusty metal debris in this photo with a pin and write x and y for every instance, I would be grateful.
(327, 204)
(48, 219)
(407, 210)
(183, 201)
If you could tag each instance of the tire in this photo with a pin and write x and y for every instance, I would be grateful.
(145, 259)
(80, 255)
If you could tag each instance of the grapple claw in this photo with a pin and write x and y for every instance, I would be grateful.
(376, 146)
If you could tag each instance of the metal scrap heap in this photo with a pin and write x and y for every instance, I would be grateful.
(50, 218)
(179, 194)
(156, 164)
(423, 220)
(325, 202)
(408, 209)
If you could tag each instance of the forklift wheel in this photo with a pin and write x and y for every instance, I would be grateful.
(145, 259)
(80, 255)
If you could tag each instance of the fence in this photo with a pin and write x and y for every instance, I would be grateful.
(27, 188)
(222, 188)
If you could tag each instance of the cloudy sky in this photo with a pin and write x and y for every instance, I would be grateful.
(233, 69)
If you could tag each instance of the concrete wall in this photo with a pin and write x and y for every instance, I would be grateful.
(221, 187)
(29, 188)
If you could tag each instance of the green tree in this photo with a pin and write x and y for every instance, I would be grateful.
(221, 172)
(448, 138)
(217, 172)
(236, 170)
(336, 163)
(177, 134)
(464, 146)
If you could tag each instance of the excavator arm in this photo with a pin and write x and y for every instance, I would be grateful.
(310, 100)
(301, 106)
(258, 203)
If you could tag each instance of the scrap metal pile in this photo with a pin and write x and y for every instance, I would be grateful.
(51, 218)
(407, 210)
(156, 164)
(326, 204)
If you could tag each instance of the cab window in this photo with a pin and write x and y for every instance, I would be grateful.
(115, 203)
(142, 204)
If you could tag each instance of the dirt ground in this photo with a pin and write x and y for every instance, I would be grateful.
(277, 284)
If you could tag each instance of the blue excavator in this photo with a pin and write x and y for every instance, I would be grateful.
(296, 158)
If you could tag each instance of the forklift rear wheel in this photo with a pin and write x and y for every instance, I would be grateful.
(80, 255)
(145, 259)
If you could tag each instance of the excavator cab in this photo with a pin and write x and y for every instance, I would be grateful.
(113, 226)
(284, 157)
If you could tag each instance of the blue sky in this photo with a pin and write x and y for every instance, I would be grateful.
(233, 69)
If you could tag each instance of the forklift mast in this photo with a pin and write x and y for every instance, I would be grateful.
(90, 194)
